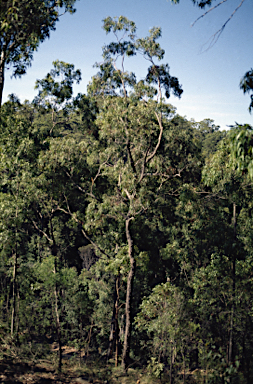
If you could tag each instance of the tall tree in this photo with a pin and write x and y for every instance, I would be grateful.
(24, 25)
(132, 125)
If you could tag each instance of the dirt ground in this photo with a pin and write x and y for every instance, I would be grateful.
(14, 372)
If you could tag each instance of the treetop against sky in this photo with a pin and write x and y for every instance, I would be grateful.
(210, 77)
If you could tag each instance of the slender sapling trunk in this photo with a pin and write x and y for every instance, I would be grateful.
(2, 65)
(128, 307)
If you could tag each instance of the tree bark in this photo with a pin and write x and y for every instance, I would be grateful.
(2, 65)
(171, 351)
(14, 291)
(58, 324)
(14, 284)
(128, 307)
(54, 251)
(230, 350)
(117, 322)
(114, 334)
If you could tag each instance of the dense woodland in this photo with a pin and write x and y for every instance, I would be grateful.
(126, 230)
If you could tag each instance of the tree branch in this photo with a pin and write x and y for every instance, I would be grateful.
(209, 10)
(44, 233)
(214, 38)
(131, 157)
(68, 212)
(159, 138)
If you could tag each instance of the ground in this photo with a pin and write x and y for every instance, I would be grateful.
(43, 372)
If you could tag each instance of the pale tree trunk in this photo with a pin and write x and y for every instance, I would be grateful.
(117, 322)
(14, 283)
(2, 65)
(58, 324)
(54, 251)
(14, 291)
(114, 333)
(230, 350)
(128, 307)
(171, 361)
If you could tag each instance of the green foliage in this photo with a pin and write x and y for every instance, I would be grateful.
(113, 80)
(24, 25)
(218, 370)
(241, 149)
(53, 92)
(155, 368)
(246, 84)
(209, 136)
(199, 3)
(164, 315)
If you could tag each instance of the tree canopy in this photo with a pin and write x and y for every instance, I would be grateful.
(24, 25)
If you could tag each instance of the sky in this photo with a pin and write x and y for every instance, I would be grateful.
(209, 76)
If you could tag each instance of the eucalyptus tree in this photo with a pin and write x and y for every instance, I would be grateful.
(17, 168)
(136, 151)
(38, 158)
(61, 162)
(55, 96)
(24, 25)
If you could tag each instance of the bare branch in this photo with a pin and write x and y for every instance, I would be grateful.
(168, 177)
(127, 193)
(214, 38)
(209, 10)
(94, 244)
(97, 175)
(76, 185)
(44, 233)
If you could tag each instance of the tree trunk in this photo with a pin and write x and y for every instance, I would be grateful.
(14, 288)
(230, 352)
(114, 334)
(54, 251)
(171, 361)
(117, 323)
(2, 65)
(130, 278)
(58, 325)
(14, 291)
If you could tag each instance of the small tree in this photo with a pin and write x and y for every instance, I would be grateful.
(165, 317)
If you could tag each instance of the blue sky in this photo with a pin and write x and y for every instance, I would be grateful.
(210, 78)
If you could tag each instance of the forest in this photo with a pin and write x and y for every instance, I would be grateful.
(126, 240)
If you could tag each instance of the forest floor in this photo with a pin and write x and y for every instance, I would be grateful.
(16, 371)
(43, 372)
(76, 369)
